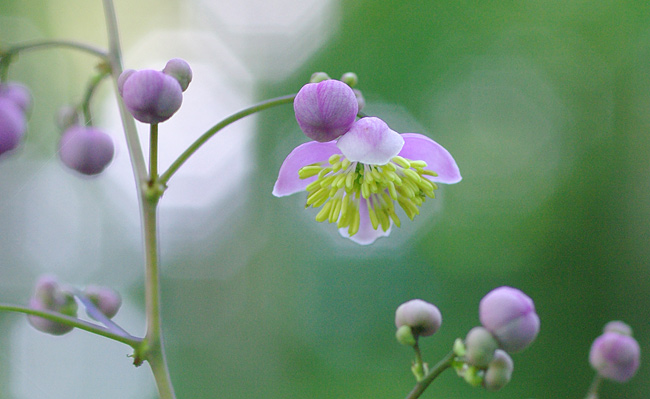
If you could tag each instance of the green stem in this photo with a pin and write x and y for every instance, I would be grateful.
(43, 44)
(592, 393)
(90, 90)
(153, 153)
(124, 337)
(173, 168)
(434, 372)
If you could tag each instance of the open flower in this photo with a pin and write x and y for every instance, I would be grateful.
(359, 179)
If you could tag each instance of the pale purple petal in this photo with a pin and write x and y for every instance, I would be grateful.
(305, 154)
(366, 234)
(370, 141)
(421, 148)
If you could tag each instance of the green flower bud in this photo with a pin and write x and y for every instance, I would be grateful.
(350, 78)
(405, 336)
(480, 345)
(318, 77)
(499, 371)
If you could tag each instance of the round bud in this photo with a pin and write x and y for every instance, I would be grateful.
(180, 70)
(350, 78)
(12, 125)
(404, 336)
(423, 317)
(86, 149)
(151, 96)
(107, 300)
(318, 77)
(325, 110)
(48, 295)
(17, 93)
(361, 101)
(498, 372)
(618, 327)
(122, 78)
(615, 356)
(480, 346)
(510, 316)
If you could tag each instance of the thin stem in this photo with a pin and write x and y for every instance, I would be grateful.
(43, 44)
(592, 393)
(96, 314)
(90, 90)
(124, 337)
(153, 152)
(173, 168)
(434, 372)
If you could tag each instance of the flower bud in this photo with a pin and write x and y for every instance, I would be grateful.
(107, 300)
(423, 317)
(12, 125)
(618, 327)
(498, 372)
(48, 295)
(361, 101)
(86, 149)
(151, 96)
(318, 77)
(480, 346)
(615, 356)
(122, 78)
(404, 335)
(17, 93)
(325, 110)
(510, 316)
(180, 70)
(350, 78)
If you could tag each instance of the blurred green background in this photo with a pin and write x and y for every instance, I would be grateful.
(544, 105)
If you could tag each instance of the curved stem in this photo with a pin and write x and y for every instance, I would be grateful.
(593, 389)
(43, 44)
(90, 90)
(173, 168)
(434, 372)
(124, 337)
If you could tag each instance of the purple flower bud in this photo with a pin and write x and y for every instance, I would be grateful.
(325, 110)
(510, 316)
(48, 295)
(86, 149)
(615, 356)
(423, 317)
(122, 78)
(498, 372)
(151, 96)
(618, 327)
(180, 70)
(480, 346)
(107, 300)
(17, 93)
(12, 125)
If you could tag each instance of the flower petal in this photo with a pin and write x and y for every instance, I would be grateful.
(366, 234)
(438, 159)
(305, 154)
(370, 141)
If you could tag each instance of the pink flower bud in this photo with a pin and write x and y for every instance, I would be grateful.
(423, 317)
(325, 110)
(615, 356)
(86, 149)
(510, 316)
(498, 372)
(12, 125)
(180, 70)
(17, 93)
(48, 295)
(150, 96)
(107, 300)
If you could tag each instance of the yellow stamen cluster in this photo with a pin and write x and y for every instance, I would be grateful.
(341, 185)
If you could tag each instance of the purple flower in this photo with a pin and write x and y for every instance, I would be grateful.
(423, 318)
(359, 179)
(12, 125)
(150, 96)
(325, 110)
(510, 316)
(86, 149)
(615, 355)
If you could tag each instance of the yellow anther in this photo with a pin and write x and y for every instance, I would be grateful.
(324, 212)
(334, 158)
(418, 164)
(308, 171)
(412, 174)
(403, 162)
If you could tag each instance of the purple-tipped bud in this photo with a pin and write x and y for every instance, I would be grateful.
(48, 295)
(510, 316)
(423, 317)
(480, 347)
(498, 372)
(151, 96)
(12, 125)
(107, 300)
(86, 149)
(325, 110)
(17, 93)
(180, 70)
(615, 356)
